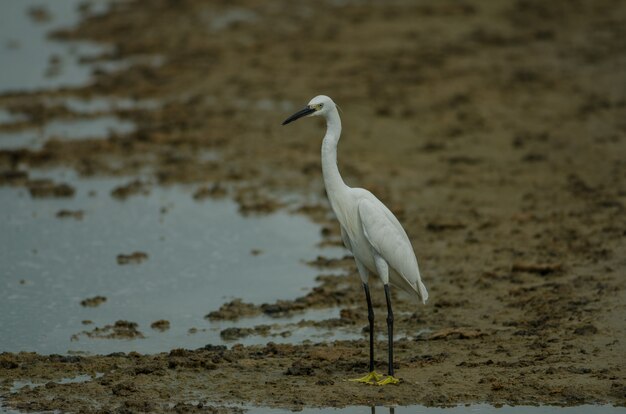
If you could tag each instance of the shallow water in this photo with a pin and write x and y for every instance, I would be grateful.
(419, 409)
(71, 129)
(30, 60)
(101, 104)
(33, 61)
(17, 385)
(7, 117)
(199, 256)
(470, 409)
(199, 252)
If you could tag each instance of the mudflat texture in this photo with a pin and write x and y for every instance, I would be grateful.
(496, 131)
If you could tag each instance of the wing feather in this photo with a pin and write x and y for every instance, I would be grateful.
(390, 241)
(346, 239)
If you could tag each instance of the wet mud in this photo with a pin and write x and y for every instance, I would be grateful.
(132, 188)
(161, 325)
(132, 258)
(493, 130)
(118, 330)
(433, 373)
(48, 188)
(93, 302)
(74, 214)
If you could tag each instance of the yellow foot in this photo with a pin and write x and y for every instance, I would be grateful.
(389, 380)
(371, 378)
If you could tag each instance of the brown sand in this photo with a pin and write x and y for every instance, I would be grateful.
(494, 130)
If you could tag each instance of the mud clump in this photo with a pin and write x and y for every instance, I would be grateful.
(539, 268)
(75, 214)
(328, 324)
(231, 334)
(214, 191)
(119, 330)
(132, 188)
(39, 14)
(253, 202)
(47, 188)
(282, 308)
(161, 325)
(323, 262)
(233, 310)
(93, 302)
(440, 226)
(133, 258)
(8, 361)
(454, 333)
(13, 177)
(332, 291)
(300, 368)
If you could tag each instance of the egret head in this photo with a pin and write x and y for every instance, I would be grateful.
(320, 105)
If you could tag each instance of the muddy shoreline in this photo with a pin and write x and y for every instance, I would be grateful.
(434, 373)
(494, 130)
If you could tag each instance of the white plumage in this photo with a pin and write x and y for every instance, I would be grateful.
(368, 228)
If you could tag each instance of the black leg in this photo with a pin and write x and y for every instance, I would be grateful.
(389, 328)
(370, 318)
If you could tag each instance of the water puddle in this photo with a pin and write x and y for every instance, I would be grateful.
(33, 61)
(101, 104)
(469, 409)
(7, 117)
(419, 409)
(18, 385)
(198, 255)
(65, 129)
(192, 256)
(288, 329)
(30, 60)
(99, 127)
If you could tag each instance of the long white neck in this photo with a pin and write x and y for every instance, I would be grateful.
(332, 179)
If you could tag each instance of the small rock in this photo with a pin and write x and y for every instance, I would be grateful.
(135, 257)
(160, 325)
(75, 214)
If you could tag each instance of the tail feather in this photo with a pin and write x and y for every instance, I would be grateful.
(422, 291)
(419, 287)
(415, 288)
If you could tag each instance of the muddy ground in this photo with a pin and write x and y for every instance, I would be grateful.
(494, 130)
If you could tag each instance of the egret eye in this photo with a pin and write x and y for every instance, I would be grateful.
(319, 106)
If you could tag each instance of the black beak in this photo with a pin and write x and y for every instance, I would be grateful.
(304, 112)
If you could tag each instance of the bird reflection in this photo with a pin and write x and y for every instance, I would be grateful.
(392, 410)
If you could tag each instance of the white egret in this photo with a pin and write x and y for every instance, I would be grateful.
(369, 230)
